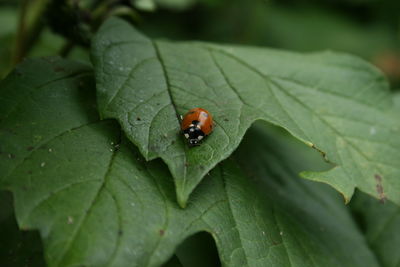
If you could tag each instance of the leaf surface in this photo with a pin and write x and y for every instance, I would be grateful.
(97, 202)
(151, 5)
(380, 224)
(17, 248)
(333, 102)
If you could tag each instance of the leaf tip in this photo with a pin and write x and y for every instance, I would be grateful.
(182, 196)
(182, 200)
(329, 177)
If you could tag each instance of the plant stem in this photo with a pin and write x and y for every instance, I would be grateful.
(30, 25)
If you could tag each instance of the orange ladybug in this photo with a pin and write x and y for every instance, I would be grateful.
(196, 124)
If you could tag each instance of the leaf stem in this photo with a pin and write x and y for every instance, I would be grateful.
(30, 25)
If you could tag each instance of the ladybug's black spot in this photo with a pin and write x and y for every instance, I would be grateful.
(195, 122)
(194, 135)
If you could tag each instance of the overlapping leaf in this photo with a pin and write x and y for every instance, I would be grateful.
(17, 248)
(97, 202)
(333, 102)
(380, 224)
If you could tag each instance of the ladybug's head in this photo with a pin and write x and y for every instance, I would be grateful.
(194, 135)
(193, 142)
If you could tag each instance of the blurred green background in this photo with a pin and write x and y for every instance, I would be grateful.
(367, 28)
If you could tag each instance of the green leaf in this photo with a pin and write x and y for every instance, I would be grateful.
(333, 102)
(17, 248)
(396, 99)
(146, 5)
(176, 4)
(30, 95)
(97, 202)
(380, 223)
(151, 5)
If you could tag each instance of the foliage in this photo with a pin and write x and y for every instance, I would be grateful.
(301, 93)
(92, 152)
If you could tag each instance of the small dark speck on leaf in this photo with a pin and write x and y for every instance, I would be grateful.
(29, 148)
(138, 119)
(226, 119)
(158, 104)
(379, 188)
(201, 167)
(29, 172)
(173, 142)
(162, 232)
(186, 164)
(120, 232)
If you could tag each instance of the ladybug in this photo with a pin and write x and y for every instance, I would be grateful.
(196, 125)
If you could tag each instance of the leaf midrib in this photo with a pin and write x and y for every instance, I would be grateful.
(168, 85)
